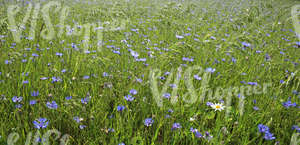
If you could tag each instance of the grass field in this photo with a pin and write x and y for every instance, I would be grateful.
(149, 72)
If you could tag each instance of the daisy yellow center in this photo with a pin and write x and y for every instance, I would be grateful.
(218, 106)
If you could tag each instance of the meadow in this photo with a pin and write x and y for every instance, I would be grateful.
(170, 72)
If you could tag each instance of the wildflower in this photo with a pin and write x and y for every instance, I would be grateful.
(255, 108)
(69, 98)
(16, 99)
(86, 77)
(193, 130)
(44, 78)
(148, 121)
(167, 95)
(18, 105)
(210, 70)
(105, 74)
(296, 127)
(209, 103)
(197, 77)
(217, 106)
(129, 98)
(121, 143)
(77, 119)
(208, 136)
(134, 54)
(262, 128)
(58, 54)
(179, 37)
(133, 92)
(245, 44)
(111, 130)
(176, 126)
(120, 108)
(82, 126)
(269, 136)
(198, 134)
(252, 83)
(52, 105)
(56, 79)
(34, 93)
(32, 102)
(289, 104)
(40, 123)
(85, 100)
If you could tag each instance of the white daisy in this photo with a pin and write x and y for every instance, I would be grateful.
(217, 106)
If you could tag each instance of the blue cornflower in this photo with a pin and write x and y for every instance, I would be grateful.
(32, 102)
(197, 77)
(173, 85)
(134, 54)
(210, 70)
(35, 55)
(105, 74)
(148, 121)
(34, 93)
(295, 92)
(86, 77)
(255, 108)
(40, 123)
(212, 37)
(167, 95)
(121, 143)
(16, 99)
(129, 98)
(198, 134)
(58, 54)
(133, 92)
(139, 80)
(18, 105)
(245, 44)
(116, 52)
(296, 127)
(52, 105)
(82, 126)
(263, 128)
(179, 37)
(269, 136)
(208, 136)
(252, 83)
(77, 119)
(233, 60)
(209, 103)
(85, 100)
(193, 130)
(44, 78)
(56, 79)
(111, 130)
(176, 126)
(69, 98)
(289, 104)
(120, 108)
